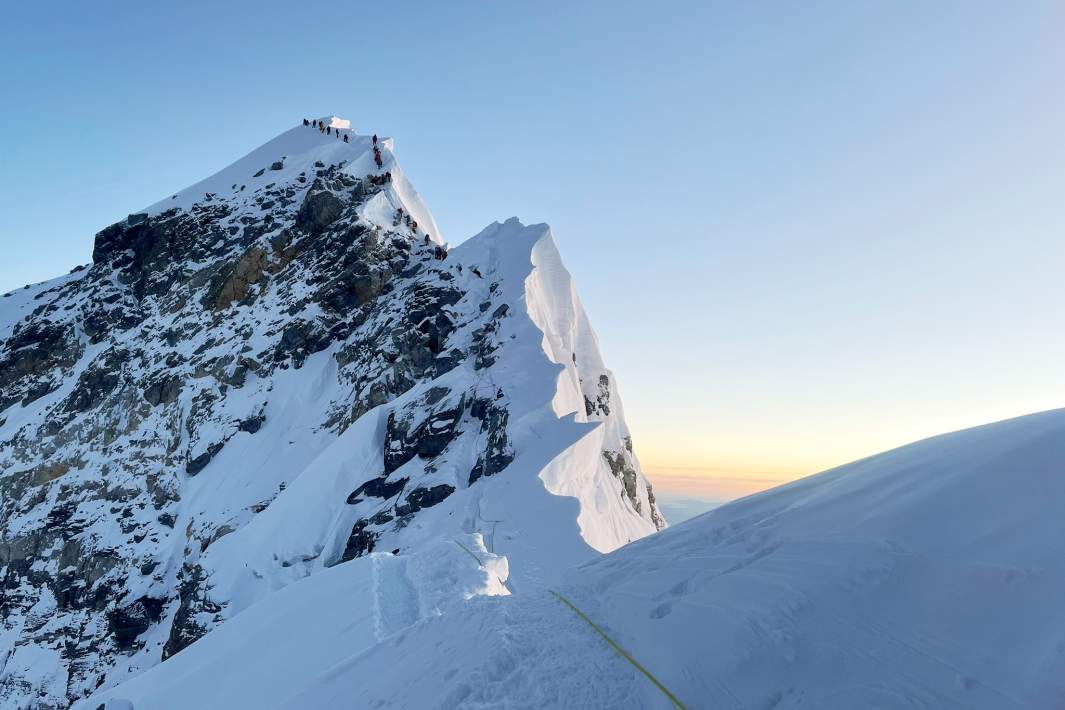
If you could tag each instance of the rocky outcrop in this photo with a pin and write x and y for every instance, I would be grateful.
(235, 283)
(623, 469)
(319, 210)
(413, 432)
(497, 453)
(130, 621)
(599, 404)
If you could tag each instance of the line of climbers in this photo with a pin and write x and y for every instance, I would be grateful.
(328, 130)
(440, 252)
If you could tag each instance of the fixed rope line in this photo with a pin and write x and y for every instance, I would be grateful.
(613, 644)
(470, 553)
(621, 652)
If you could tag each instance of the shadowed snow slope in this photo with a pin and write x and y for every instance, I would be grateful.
(930, 576)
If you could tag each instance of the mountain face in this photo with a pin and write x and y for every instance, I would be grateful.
(930, 576)
(281, 373)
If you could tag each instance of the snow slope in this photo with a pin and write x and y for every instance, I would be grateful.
(930, 576)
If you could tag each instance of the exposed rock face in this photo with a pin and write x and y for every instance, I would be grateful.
(497, 453)
(156, 404)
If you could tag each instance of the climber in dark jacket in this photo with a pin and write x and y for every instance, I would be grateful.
(306, 122)
(345, 137)
(375, 139)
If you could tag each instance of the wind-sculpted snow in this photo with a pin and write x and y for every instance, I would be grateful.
(930, 576)
(273, 373)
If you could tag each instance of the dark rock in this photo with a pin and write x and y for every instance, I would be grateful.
(377, 488)
(93, 386)
(195, 465)
(132, 620)
(656, 518)
(498, 453)
(625, 472)
(163, 391)
(299, 340)
(360, 542)
(421, 498)
(318, 211)
(193, 600)
(404, 440)
(277, 165)
(233, 283)
(601, 404)
(253, 424)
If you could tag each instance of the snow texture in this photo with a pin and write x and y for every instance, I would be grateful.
(930, 576)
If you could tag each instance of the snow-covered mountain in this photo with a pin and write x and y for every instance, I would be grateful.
(271, 378)
(931, 576)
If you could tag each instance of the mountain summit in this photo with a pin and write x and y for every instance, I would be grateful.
(276, 372)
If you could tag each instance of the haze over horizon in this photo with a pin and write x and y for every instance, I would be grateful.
(792, 262)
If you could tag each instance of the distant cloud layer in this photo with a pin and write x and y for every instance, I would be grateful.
(685, 493)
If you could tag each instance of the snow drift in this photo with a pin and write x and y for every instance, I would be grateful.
(928, 576)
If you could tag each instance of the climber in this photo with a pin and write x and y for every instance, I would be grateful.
(306, 122)
(388, 176)
(426, 240)
(328, 130)
(414, 227)
(377, 159)
(345, 137)
(375, 139)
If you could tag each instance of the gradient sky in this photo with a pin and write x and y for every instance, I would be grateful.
(805, 232)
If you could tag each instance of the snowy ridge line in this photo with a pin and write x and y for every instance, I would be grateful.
(621, 652)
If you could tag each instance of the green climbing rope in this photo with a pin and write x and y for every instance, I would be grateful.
(621, 652)
(469, 552)
(613, 644)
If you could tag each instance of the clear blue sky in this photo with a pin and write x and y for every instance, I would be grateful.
(804, 231)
